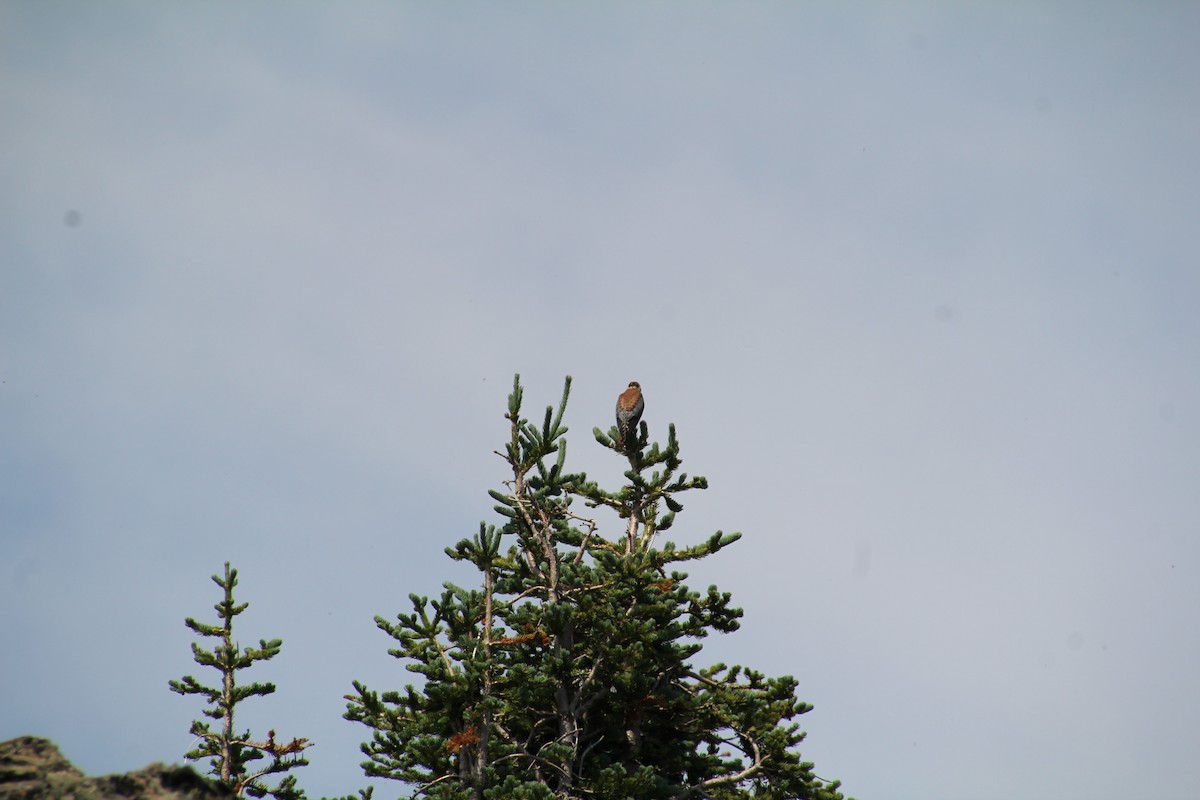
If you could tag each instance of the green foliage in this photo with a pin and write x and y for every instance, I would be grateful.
(568, 673)
(233, 755)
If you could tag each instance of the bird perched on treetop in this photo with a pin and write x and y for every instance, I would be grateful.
(629, 411)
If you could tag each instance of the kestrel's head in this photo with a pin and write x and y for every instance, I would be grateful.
(634, 385)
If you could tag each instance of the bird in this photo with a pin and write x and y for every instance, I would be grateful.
(629, 410)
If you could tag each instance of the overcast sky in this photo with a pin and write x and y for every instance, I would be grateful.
(917, 283)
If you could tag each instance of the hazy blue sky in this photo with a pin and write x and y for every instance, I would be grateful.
(917, 282)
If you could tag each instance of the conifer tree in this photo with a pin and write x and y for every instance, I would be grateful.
(233, 755)
(568, 673)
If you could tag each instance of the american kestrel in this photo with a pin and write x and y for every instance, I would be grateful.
(629, 410)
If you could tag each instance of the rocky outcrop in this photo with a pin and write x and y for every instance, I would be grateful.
(34, 769)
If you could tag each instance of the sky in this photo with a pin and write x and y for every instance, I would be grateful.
(917, 283)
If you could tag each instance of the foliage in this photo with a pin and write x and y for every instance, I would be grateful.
(568, 672)
(233, 756)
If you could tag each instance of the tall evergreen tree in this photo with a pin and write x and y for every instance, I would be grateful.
(233, 754)
(568, 672)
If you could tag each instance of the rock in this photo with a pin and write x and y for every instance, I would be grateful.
(33, 769)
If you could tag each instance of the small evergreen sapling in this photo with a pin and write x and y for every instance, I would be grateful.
(232, 755)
